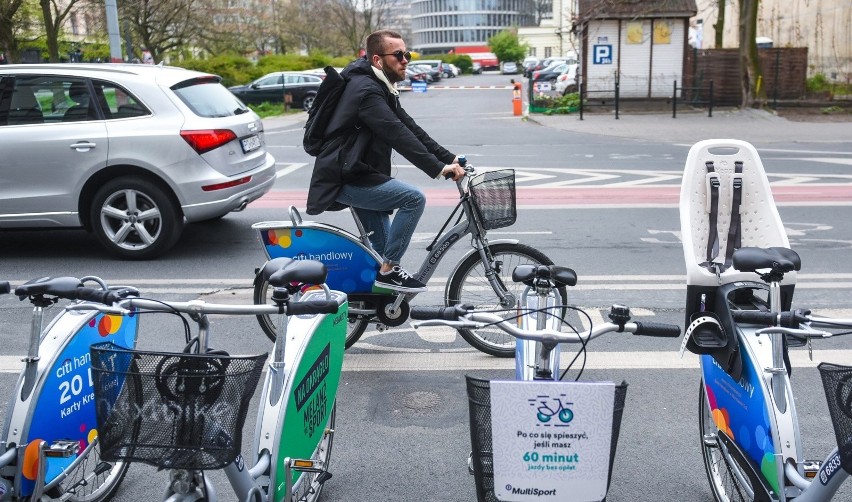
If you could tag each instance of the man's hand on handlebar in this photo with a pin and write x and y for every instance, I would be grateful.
(454, 171)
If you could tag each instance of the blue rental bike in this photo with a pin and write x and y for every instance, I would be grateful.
(481, 277)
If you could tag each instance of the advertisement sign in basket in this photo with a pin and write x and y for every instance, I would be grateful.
(551, 440)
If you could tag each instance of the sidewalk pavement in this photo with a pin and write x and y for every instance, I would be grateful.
(289, 121)
(751, 125)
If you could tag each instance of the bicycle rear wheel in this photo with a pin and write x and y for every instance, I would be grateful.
(469, 284)
(263, 294)
(720, 468)
(93, 480)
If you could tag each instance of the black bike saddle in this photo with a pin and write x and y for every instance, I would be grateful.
(280, 272)
(779, 260)
(561, 276)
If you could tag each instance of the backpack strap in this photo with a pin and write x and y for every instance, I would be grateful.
(712, 179)
(734, 230)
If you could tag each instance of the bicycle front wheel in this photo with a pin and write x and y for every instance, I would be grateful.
(92, 480)
(309, 485)
(263, 294)
(724, 482)
(469, 284)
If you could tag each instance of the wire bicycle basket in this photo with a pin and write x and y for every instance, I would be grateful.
(172, 410)
(837, 382)
(493, 196)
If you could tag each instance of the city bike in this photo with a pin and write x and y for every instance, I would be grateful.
(183, 412)
(741, 276)
(49, 448)
(481, 277)
(531, 436)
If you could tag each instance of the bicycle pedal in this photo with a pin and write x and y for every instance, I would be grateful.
(62, 449)
(811, 468)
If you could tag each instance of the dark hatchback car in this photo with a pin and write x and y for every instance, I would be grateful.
(271, 88)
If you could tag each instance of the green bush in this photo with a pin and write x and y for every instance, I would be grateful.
(550, 105)
(817, 83)
(234, 70)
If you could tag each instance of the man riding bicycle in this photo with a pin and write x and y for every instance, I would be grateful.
(354, 167)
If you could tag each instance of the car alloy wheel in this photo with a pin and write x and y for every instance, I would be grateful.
(308, 102)
(134, 218)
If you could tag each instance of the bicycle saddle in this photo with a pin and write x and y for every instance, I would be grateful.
(779, 260)
(281, 271)
(561, 276)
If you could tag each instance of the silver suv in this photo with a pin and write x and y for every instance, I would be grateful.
(126, 151)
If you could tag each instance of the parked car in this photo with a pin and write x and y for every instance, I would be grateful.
(476, 68)
(547, 63)
(550, 73)
(528, 65)
(272, 87)
(423, 69)
(416, 75)
(510, 68)
(436, 67)
(566, 82)
(128, 152)
(450, 70)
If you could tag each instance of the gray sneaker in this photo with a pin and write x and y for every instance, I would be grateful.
(400, 280)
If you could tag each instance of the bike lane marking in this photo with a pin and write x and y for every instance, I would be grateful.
(598, 196)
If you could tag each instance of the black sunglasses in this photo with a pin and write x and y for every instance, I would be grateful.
(399, 55)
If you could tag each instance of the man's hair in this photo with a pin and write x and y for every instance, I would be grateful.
(376, 41)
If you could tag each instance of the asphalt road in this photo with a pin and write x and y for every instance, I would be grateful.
(586, 201)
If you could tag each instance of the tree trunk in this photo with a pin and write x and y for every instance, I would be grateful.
(51, 31)
(8, 40)
(719, 27)
(749, 61)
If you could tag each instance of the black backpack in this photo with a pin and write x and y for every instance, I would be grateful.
(328, 95)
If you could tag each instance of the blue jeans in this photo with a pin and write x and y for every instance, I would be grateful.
(373, 204)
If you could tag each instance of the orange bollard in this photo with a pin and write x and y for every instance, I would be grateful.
(516, 98)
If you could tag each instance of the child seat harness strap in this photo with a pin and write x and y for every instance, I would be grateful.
(734, 229)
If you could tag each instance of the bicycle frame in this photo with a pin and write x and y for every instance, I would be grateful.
(536, 360)
(296, 404)
(774, 463)
(354, 264)
(50, 421)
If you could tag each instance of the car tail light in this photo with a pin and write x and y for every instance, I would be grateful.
(227, 184)
(204, 140)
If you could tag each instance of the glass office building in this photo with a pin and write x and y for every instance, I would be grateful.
(441, 25)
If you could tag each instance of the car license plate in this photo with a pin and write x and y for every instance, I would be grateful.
(250, 144)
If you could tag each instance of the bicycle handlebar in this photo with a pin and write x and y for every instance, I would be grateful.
(447, 316)
(789, 319)
(446, 313)
(106, 297)
(657, 329)
(127, 305)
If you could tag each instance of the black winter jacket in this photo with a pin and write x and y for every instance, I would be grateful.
(367, 124)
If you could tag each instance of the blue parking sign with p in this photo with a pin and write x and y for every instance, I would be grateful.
(602, 54)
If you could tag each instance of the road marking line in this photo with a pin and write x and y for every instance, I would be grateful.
(470, 359)
(473, 360)
(291, 167)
